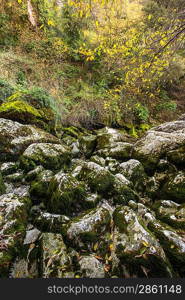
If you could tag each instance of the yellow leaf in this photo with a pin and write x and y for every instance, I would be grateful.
(111, 247)
(95, 246)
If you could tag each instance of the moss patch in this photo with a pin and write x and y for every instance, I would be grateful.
(19, 110)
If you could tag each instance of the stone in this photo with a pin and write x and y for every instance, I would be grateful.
(138, 246)
(88, 145)
(31, 236)
(15, 138)
(171, 241)
(90, 267)
(106, 136)
(66, 194)
(18, 110)
(171, 126)
(8, 168)
(174, 188)
(51, 156)
(2, 185)
(48, 222)
(15, 177)
(155, 144)
(120, 150)
(177, 156)
(34, 174)
(88, 227)
(134, 171)
(13, 221)
(171, 213)
(98, 160)
(39, 188)
(98, 178)
(55, 260)
(122, 190)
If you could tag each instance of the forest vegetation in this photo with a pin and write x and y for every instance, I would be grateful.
(118, 63)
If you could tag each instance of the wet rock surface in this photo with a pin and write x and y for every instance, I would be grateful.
(92, 204)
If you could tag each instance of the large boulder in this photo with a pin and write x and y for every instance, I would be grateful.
(138, 246)
(174, 188)
(66, 194)
(88, 227)
(51, 156)
(15, 138)
(134, 171)
(171, 213)
(98, 178)
(170, 127)
(157, 142)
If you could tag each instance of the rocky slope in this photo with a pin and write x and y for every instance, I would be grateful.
(92, 204)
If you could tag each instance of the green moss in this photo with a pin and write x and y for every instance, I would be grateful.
(19, 106)
(72, 131)
(71, 194)
(38, 190)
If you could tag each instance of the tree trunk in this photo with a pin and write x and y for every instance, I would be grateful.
(31, 14)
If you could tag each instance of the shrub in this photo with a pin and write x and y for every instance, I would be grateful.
(142, 112)
(5, 90)
(39, 98)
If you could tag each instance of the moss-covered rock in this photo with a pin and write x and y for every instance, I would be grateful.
(177, 156)
(120, 150)
(48, 222)
(172, 243)
(136, 245)
(8, 168)
(98, 160)
(15, 138)
(98, 178)
(88, 145)
(122, 192)
(33, 174)
(55, 259)
(134, 171)
(174, 188)
(19, 110)
(90, 267)
(66, 194)
(22, 111)
(39, 187)
(51, 156)
(87, 227)
(170, 213)
(107, 136)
